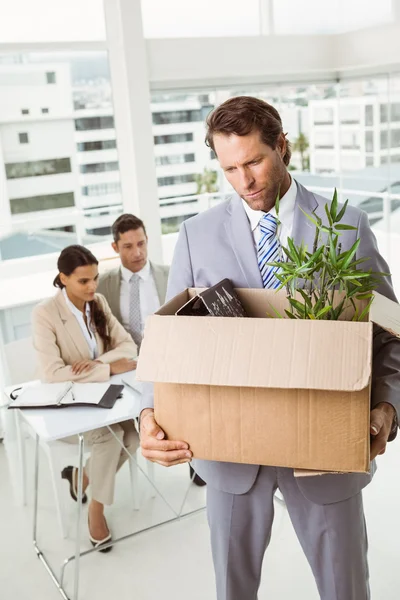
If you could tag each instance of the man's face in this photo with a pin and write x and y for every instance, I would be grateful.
(132, 249)
(255, 170)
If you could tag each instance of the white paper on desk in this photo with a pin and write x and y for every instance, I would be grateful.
(50, 394)
(87, 393)
(41, 394)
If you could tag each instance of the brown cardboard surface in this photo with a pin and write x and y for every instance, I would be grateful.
(273, 353)
(261, 390)
(300, 429)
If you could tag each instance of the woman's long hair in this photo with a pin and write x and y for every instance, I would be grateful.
(70, 259)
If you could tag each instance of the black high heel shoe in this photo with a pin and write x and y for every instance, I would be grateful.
(68, 473)
(99, 543)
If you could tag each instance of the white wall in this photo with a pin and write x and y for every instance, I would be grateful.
(26, 87)
(205, 61)
(202, 62)
(50, 139)
(372, 47)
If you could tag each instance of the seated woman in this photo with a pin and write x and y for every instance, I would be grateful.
(78, 339)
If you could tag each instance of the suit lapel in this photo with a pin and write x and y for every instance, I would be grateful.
(160, 281)
(114, 292)
(71, 327)
(303, 229)
(241, 238)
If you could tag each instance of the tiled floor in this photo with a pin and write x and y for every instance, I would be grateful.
(174, 562)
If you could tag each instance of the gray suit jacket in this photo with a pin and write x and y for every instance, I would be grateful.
(219, 243)
(110, 286)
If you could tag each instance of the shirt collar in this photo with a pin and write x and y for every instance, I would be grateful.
(73, 308)
(286, 209)
(143, 273)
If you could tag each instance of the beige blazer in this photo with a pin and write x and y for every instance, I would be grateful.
(110, 286)
(59, 342)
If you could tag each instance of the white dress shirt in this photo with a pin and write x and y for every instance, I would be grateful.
(89, 335)
(149, 301)
(286, 216)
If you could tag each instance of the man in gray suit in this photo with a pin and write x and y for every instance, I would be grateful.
(230, 241)
(137, 288)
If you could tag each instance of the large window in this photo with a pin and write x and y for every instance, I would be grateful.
(39, 203)
(394, 135)
(175, 159)
(99, 167)
(90, 146)
(390, 112)
(176, 116)
(175, 179)
(38, 168)
(369, 141)
(90, 123)
(101, 189)
(56, 113)
(175, 138)
(23, 138)
(369, 115)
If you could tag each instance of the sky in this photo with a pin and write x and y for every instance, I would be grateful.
(83, 20)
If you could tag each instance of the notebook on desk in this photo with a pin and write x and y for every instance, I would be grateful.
(60, 395)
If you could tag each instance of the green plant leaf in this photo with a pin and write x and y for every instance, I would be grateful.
(332, 252)
(306, 299)
(334, 206)
(276, 312)
(297, 305)
(341, 212)
(366, 310)
(323, 311)
(310, 218)
(288, 253)
(277, 204)
(364, 296)
(293, 251)
(352, 252)
(355, 282)
(345, 228)
(289, 314)
(328, 214)
(357, 262)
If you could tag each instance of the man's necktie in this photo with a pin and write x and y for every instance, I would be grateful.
(135, 318)
(269, 250)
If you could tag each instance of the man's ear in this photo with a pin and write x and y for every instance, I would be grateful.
(115, 247)
(282, 144)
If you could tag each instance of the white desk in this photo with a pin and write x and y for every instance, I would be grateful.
(54, 424)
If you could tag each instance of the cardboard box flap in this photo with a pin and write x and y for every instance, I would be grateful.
(386, 314)
(250, 352)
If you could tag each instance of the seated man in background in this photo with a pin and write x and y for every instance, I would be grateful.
(137, 288)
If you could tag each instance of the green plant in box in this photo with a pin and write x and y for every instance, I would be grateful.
(323, 283)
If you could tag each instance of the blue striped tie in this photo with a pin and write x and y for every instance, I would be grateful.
(269, 250)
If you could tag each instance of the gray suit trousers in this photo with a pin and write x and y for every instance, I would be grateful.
(333, 538)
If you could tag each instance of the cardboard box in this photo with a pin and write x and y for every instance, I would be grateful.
(269, 391)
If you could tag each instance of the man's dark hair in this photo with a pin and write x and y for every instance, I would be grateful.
(126, 223)
(244, 114)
